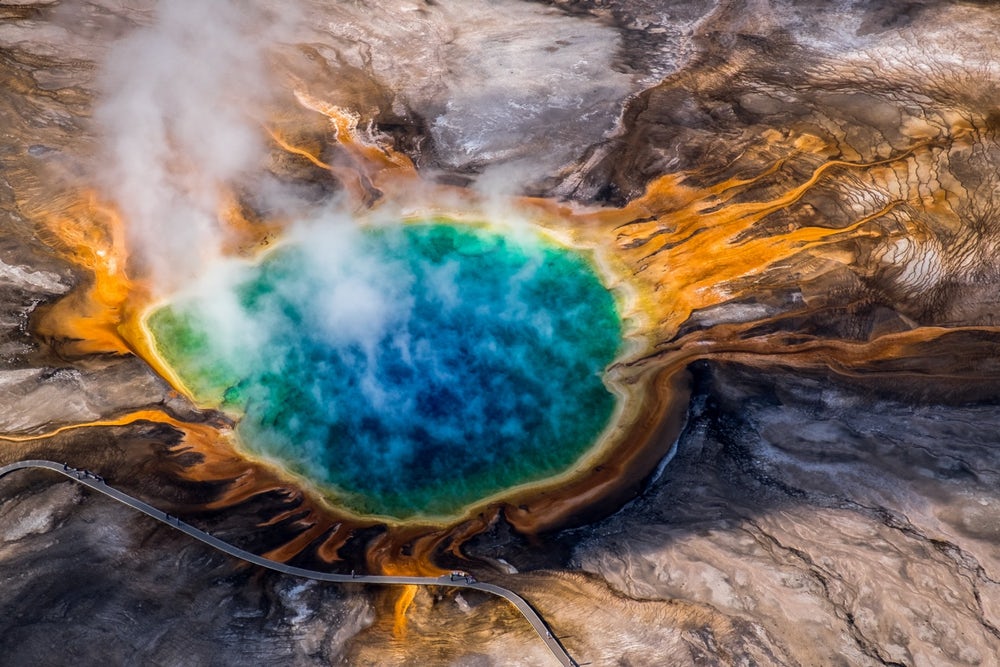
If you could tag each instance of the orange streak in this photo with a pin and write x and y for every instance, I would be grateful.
(295, 150)
(355, 180)
(158, 416)
(91, 235)
(403, 602)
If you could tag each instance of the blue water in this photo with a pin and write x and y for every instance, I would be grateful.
(422, 369)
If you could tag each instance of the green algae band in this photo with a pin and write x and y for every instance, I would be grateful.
(409, 371)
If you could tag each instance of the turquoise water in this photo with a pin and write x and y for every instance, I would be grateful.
(410, 371)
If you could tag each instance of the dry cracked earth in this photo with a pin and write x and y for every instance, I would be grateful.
(844, 511)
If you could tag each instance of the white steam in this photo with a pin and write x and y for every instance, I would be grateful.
(176, 117)
(358, 298)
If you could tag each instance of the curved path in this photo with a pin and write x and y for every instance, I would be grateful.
(97, 483)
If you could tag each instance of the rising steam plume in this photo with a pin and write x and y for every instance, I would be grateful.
(179, 116)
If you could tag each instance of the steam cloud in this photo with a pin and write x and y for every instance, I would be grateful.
(176, 120)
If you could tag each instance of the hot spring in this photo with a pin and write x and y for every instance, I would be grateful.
(406, 370)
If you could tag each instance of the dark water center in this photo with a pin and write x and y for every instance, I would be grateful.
(408, 371)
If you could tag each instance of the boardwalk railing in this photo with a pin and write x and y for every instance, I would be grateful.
(454, 580)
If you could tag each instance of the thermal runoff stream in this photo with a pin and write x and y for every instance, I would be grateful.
(406, 370)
